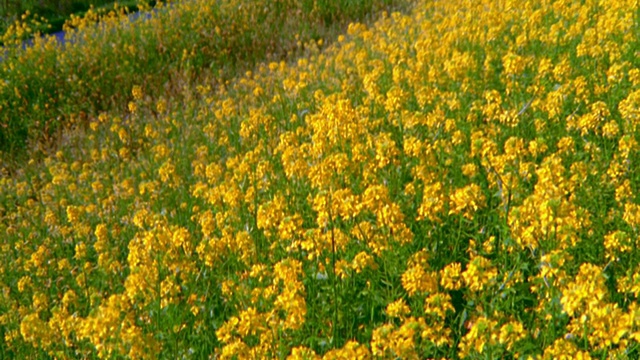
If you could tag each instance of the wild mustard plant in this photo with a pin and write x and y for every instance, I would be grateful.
(456, 181)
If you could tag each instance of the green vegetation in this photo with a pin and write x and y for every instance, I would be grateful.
(47, 87)
(53, 12)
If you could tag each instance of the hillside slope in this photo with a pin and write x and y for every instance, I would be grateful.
(455, 182)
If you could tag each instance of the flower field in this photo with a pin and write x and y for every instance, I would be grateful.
(47, 86)
(459, 180)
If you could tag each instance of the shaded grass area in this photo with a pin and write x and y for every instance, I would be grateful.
(48, 87)
(54, 13)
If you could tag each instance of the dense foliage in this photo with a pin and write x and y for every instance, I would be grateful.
(49, 86)
(52, 12)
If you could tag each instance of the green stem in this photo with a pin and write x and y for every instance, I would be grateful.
(334, 279)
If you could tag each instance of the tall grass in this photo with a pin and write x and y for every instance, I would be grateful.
(48, 86)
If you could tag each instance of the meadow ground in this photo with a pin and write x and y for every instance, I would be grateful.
(454, 181)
